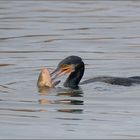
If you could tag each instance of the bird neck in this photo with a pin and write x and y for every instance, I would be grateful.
(75, 77)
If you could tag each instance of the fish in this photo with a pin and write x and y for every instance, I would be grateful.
(45, 80)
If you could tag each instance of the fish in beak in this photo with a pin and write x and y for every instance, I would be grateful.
(45, 80)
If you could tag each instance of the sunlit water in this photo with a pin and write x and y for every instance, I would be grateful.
(33, 34)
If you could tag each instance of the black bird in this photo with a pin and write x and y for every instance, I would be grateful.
(74, 66)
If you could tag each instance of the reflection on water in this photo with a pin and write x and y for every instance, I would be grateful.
(37, 34)
(65, 101)
(61, 91)
(45, 91)
(71, 110)
(71, 93)
(3, 65)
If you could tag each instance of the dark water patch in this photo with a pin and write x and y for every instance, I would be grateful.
(13, 115)
(14, 123)
(77, 29)
(77, 111)
(118, 22)
(101, 120)
(26, 36)
(8, 28)
(131, 37)
(70, 124)
(42, 51)
(26, 101)
(3, 91)
(18, 57)
(18, 101)
(3, 18)
(24, 110)
(129, 136)
(71, 94)
(3, 86)
(111, 52)
(28, 51)
(62, 118)
(82, 38)
(3, 65)
(91, 52)
(67, 10)
(12, 83)
(133, 45)
(70, 130)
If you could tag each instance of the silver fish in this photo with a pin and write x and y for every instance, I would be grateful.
(45, 80)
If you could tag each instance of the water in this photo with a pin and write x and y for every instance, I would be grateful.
(33, 34)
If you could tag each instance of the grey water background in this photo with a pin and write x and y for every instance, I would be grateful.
(34, 34)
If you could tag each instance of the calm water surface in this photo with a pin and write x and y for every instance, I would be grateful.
(33, 34)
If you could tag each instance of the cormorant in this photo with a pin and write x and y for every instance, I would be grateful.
(74, 66)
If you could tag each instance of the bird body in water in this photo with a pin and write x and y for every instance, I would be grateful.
(114, 80)
(75, 67)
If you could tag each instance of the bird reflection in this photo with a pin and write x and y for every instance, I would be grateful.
(44, 90)
(70, 110)
(61, 92)
(64, 95)
(70, 92)
(64, 101)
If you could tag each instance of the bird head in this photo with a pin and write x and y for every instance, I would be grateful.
(72, 65)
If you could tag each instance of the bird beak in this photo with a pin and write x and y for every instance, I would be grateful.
(58, 72)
